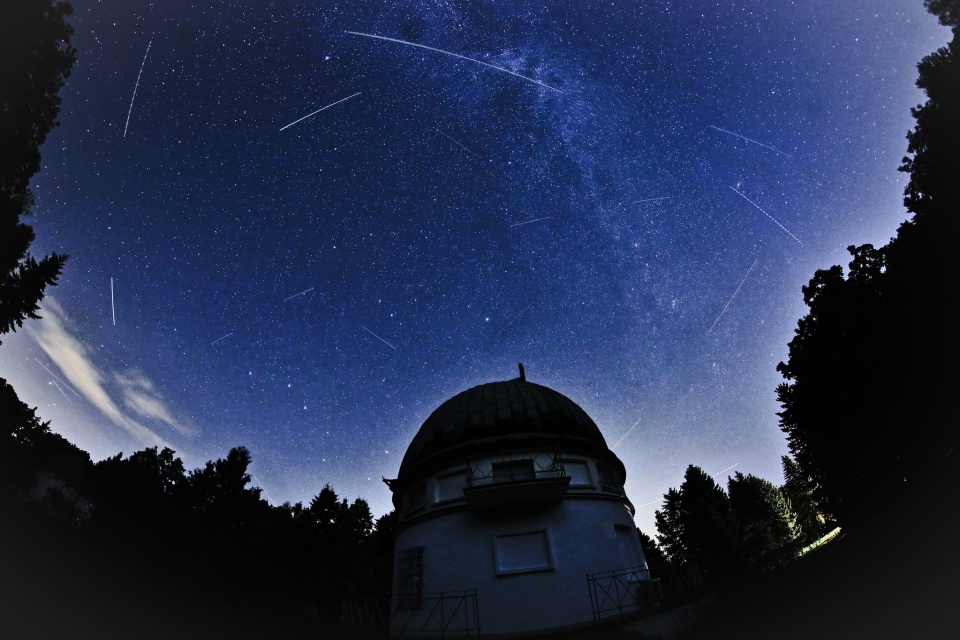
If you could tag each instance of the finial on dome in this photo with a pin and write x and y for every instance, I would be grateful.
(522, 374)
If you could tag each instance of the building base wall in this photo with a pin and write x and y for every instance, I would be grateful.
(528, 567)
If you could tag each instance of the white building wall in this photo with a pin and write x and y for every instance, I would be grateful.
(460, 554)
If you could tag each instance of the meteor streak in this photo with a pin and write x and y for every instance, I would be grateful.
(530, 221)
(768, 215)
(454, 141)
(731, 300)
(378, 337)
(221, 338)
(113, 309)
(318, 111)
(61, 390)
(727, 469)
(651, 199)
(626, 434)
(56, 378)
(751, 140)
(455, 55)
(130, 110)
(299, 294)
(518, 315)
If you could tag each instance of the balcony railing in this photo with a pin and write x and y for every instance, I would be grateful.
(615, 593)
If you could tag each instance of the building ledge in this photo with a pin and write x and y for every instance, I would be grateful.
(517, 493)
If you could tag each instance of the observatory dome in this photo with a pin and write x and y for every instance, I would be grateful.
(491, 417)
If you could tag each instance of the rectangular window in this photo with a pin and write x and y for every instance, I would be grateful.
(523, 552)
(513, 471)
(609, 479)
(415, 497)
(410, 578)
(450, 487)
(579, 473)
(629, 542)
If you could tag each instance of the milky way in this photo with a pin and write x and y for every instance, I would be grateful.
(575, 214)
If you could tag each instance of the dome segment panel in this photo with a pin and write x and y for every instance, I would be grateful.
(500, 414)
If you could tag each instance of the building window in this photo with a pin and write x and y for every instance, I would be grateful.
(410, 578)
(628, 540)
(579, 472)
(450, 486)
(513, 470)
(523, 552)
(608, 478)
(415, 497)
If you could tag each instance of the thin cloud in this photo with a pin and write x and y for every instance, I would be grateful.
(141, 396)
(56, 336)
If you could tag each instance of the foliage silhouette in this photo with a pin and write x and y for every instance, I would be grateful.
(867, 402)
(697, 524)
(651, 551)
(767, 522)
(811, 522)
(37, 58)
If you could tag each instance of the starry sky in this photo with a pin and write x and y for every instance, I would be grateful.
(288, 234)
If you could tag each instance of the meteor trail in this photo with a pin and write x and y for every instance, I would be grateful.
(731, 300)
(319, 110)
(222, 338)
(768, 215)
(454, 141)
(626, 434)
(727, 469)
(378, 337)
(518, 315)
(113, 309)
(299, 294)
(61, 390)
(56, 378)
(529, 221)
(750, 140)
(455, 55)
(130, 110)
(651, 199)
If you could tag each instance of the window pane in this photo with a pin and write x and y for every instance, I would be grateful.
(525, 551)
(578, 471)
(451, 486)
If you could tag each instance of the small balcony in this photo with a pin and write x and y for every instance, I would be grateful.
(518, 482)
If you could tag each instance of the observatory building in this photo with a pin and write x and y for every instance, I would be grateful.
(509, 500)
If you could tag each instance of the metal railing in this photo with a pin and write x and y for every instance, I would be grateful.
(448, 613)
(541, 465)
(365, 614)
(622, 591)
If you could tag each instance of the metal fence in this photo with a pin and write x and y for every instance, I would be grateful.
(365, 614)
(622, 591)
(449, 613)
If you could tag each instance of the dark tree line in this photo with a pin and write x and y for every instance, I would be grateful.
(869, 400)
(206, 530)
(753, 525)
(37, 58)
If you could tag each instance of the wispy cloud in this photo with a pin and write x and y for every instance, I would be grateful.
(99, 385)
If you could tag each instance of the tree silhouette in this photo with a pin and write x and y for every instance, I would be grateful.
(867, 403)
(800, 488)
(652, 551)
(697, 524)
(37, 57)
(767, 522)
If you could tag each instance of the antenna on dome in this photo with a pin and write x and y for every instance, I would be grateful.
(522, 374)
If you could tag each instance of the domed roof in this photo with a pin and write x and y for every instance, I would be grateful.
(498, 416)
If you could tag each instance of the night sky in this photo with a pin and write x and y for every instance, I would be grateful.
(626, 197)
